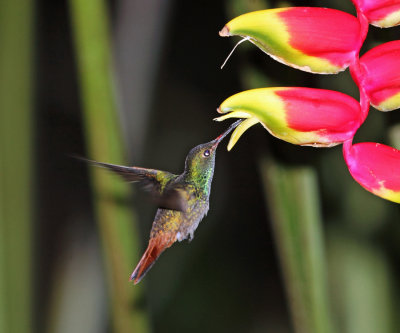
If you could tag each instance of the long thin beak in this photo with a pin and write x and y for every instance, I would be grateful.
(223, 135)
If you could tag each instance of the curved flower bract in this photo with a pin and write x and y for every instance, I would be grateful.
(379, 75)
(376, 167)
(302, 116)
(318, 40)
(381, 13)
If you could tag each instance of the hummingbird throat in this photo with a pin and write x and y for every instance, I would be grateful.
(201, 176)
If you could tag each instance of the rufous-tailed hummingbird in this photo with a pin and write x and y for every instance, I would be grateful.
(183, 200)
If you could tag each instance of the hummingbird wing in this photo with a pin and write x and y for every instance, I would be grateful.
(158, 183)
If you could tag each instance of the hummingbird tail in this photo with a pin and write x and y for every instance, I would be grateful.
(156, 246)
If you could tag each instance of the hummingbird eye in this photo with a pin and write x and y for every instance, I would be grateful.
(206, 153)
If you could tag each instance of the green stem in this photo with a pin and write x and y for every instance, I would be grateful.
(16, 218)
(293, 201)
(118, 235)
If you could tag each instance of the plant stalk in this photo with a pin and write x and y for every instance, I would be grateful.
(118, 232)
(16, 166)
(292, 198)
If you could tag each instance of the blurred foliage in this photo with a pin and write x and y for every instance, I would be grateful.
(118, 235)
(16, 166)
(292, 195)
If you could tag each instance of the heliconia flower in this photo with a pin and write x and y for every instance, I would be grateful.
(302, 116)
(376, 167)
(317, 40)
(379, 74)
(381, 13)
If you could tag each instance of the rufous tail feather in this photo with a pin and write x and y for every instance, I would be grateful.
(156, 246)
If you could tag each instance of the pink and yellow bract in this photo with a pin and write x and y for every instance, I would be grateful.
(381, 13)
(379, 77)
(376, 167)
(302, 116)
(302, 37)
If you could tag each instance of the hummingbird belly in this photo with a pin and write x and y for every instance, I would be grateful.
(192, 219)
(180, 225)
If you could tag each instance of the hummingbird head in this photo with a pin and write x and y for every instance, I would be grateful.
(199, 164)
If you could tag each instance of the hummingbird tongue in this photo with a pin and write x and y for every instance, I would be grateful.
(230, 128)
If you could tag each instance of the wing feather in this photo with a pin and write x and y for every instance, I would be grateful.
(158, 183)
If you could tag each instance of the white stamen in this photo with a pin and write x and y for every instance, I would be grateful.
(237, 44)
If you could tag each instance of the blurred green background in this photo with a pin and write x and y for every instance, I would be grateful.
(291, 243)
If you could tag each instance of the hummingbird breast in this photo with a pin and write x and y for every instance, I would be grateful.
(180, 224)
(191, 220)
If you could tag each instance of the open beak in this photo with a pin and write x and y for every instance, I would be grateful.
(223, 135)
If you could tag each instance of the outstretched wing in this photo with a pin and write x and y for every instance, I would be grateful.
(156, 182)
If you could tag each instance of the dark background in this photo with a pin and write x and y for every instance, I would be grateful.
(167, 60)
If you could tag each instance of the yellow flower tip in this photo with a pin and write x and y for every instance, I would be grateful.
(238, 132)
(224, 32)
(228, 114)
(230, 144)
(222, 118)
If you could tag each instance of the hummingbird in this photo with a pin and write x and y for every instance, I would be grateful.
(183, 200)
